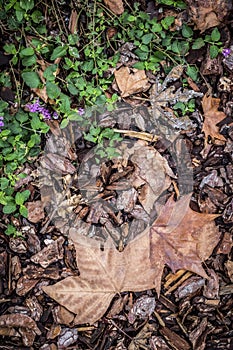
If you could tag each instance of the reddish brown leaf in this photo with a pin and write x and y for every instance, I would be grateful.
(35, 211)
(180, 238)
(208, 13)
(212, 117)
(116, 6)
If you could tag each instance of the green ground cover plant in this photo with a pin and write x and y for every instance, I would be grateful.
(74, 69)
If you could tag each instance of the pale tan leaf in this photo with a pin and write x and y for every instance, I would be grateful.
(180, 238)
(131, 81)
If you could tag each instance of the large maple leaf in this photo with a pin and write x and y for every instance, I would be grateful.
(180, 238)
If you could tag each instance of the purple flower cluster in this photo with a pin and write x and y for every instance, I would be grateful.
(36, 107)
(1, 123)
(226, 52)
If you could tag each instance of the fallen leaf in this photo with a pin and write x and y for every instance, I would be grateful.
(52, 253)
(57, 164)
(131, 81)
(35, 211)
(208, 13)
(116, 6)
(212, 117)
(164, 95)
(152, 173)
(27, 326)
(174, 339)
(178, 239)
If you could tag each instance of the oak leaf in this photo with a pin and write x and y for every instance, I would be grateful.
(180, 238)
(212, 117)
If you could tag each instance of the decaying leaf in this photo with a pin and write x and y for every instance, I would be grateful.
(26, 325)
(152, 173)
(131, 81)
(35, 211)
(57, 163)
(178, 239)
(212, 117)
(116, 6)
(164, 95)
(208, 13)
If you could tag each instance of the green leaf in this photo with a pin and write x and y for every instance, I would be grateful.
(4, 183)
(64, 105)
(198, 43)
(29, 61)
(35, 123)
(53, 91)
(9, 208)
(73, 51)
(72, 89)
(3, 200)
(23, 211)
(187, 31)
(34, 139)
(146, 39)
(28, 51)
(139, 65)
(26, 4)
(37, 16)
(167, 21)
(214, 50)
(31, 79)
(21, 197)
(192, 72)
(215, 35)
(64, 123)
(10, 48)
(11, 230)
(49, 73)
(59, 51)
(21, 116)
(156, 28)
(142, 55)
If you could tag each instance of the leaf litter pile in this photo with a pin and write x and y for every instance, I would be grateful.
(134, 252)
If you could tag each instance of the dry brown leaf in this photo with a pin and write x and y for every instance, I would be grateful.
(57, 163)
(35, 211)
(27, 326)
(131, 81)
(208, 13)
(179, 242)
(152, 173)
(212, 117)
(116, 6)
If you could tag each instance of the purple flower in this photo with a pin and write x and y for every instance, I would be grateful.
(1, 122)
(226, 52)
(45, 113)
(81, 111)
(33, 107)
(36, 107)
(55, 115)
